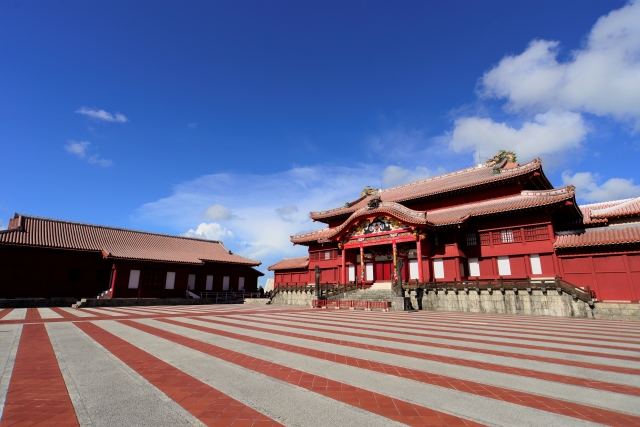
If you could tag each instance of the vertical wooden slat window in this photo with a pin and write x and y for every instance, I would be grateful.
(485, 238)
(472, 239)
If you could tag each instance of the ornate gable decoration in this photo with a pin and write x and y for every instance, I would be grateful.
(379, 224)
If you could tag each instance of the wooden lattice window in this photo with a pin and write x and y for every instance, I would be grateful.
(508, 235)
(314, 256)
(485, 238)
(536, 233)
(472, 239)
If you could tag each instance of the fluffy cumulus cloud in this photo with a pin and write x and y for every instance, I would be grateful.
(102, 115)
(396, 175)
(267, 209)
(547, 98)
(210, 231)
(546, 133)
(591, 188)
(80, 148)
(218, 213)
(602, 78)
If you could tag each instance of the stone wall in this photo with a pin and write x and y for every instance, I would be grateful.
(535, 303)
(298, 298)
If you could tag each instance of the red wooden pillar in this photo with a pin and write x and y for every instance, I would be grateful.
(113, 280)
(419, 255)
(344, 271)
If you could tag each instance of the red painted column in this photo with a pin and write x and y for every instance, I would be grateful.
(419, 255)
(113, 280)
(344, 271)
(395, 261)
(362, 276)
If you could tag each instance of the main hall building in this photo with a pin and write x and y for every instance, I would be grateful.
(499, 219)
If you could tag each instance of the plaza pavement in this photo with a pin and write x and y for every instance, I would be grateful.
(235, 365)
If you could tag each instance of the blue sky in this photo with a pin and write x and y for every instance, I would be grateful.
(233, 120)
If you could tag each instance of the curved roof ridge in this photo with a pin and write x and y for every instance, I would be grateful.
(460, 172)
(609, 209)
(619, 201)
(108, 227)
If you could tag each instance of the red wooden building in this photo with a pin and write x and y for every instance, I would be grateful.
(499, 219)
(45, 258)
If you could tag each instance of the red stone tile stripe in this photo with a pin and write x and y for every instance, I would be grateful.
(5, 311)
(32, 314)
(564, 379)
(141, 316)
(209, 405)
(394, 409)
(492, 352)
(482, 332)
(37, 393)
(556, 406)
(533, 333)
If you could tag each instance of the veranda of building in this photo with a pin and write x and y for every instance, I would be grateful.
(45, 258)
(495, 220)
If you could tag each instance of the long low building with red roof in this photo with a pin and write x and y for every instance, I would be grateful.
(495, 220)
(44, 258)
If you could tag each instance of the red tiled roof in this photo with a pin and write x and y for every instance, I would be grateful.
(451, 215)
(290, 263)
(526, 199)
(465, 178)
(599, 212)
(116, 242)
(599, 236)
(401, 212)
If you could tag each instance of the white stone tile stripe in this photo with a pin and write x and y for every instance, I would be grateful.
(475, 407)
(9, 340)
(514, 361)
(76, 312)
(424, 319)
(459, 332)
(278, 400)
(47, 313)
(16, 314)
(495, 344)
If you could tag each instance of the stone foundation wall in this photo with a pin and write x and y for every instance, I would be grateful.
(298, 298)
(536, 303)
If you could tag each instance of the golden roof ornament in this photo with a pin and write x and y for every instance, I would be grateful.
(510, 156)
(368, 191)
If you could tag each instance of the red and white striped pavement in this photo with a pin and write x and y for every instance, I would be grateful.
(235, 365)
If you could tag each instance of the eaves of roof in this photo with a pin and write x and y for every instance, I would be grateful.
(454, 181)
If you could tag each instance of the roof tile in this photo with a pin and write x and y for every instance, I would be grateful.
(290, 263)
(116, 242)
(600, 236)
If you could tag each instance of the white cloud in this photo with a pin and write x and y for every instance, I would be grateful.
(286, 212)
(589, 189)
(77, 148)
(551, 132)
(102, 115)
(192, 126)
(80, 149)
(263, 205)
(210, 231)
(218, 213)
(602, 78)
(396, 175)
(95, 160)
